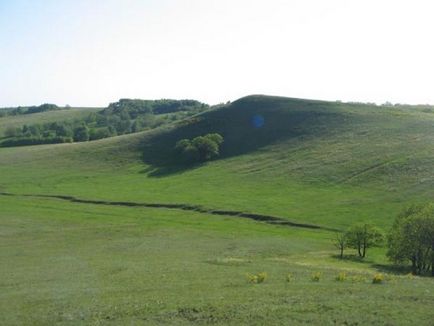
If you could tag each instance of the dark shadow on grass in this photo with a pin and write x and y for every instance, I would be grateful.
(399, 269)
(162, 171)
(275, 220)
(352, 258)
(384, 268)
(283, 119)
(392, 269)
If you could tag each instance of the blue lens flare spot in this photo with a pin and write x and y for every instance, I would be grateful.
(258, 121)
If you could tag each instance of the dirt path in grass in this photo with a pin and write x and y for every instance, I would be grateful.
(186, 207)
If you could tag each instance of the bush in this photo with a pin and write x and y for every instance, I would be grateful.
(315, 277)
(378, 279)
(257, 278)
(289, 278)
(342, 276)
(202, 148)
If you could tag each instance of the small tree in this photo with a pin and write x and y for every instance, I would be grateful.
(412, 238)
(340, 242)
(362, 237)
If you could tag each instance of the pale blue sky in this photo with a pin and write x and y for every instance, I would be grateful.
(94, 52)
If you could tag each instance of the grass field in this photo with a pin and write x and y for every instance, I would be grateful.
(322, 163)
(86, 264)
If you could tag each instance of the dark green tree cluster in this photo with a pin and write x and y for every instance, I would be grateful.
(133, 115)
(123, 117)
(199, 149)
(42, 108)
(29, 110)
(411, 239)
(135, 107)
(359, 237)
(27, 141)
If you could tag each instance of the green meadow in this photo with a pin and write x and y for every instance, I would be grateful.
(324, 164)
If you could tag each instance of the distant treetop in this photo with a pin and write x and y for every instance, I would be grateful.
(29, 109)
(135, 107)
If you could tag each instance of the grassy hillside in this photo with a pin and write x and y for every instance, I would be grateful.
(318, 162)
(119, 118)
(70, 114)
(310, 162)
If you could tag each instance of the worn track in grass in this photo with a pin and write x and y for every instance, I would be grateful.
(186, 207)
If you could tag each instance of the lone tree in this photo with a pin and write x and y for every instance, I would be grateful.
(411, 238)
(362, 237)
(340, 242)
(202, 148)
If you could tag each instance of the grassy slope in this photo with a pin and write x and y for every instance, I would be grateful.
(44, 117)
(316, 162)
(68, 264)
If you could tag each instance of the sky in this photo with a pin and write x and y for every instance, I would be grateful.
(93, 52)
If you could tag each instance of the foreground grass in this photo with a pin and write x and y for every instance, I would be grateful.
(64, 263)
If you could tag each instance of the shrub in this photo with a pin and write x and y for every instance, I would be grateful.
(289, 278)
(262, 277)
(410, 276)
(315, 277)
(378, 279)
(257, 278)
(342, 276)
(202, 148)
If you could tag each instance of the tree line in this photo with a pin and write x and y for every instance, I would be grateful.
(30, 109)
(119, 118)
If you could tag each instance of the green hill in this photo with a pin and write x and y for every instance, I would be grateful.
(119, 230)
(321, 162)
